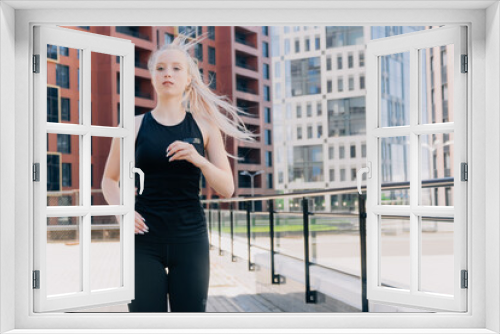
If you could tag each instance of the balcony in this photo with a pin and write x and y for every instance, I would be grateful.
(246, 37)
(133, 31)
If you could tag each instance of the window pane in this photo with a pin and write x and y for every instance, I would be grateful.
(63, 170)
(395, 252)
(436, 96)
(395, 89)
(436, 257)
(63, 92)
(101, 148)
(437, 163)
(395, 167)
(105, 95)
(105, 252)
(64, 254)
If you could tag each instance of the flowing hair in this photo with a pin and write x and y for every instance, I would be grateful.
(200, 99)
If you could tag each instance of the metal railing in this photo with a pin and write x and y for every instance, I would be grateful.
(310, 295)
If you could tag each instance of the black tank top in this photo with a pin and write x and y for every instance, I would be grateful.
(170, 201)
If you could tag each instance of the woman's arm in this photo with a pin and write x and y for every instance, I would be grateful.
(217, 170)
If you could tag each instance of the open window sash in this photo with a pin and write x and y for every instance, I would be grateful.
(410, 262)
(78, 217)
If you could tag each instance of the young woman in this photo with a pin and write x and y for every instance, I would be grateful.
(171, 142)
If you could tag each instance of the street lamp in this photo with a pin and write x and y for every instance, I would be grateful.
(245, 172)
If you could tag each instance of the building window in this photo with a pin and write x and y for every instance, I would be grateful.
(361, 59)
(299, 111)
(318, 109)
(63, 51)
(363, 150)
(199, 52)
(297, 46)
(169, 38)
(341, 152)
(270, 181)
(268, 137)
(266, 71)
(329, 86)
(267, 115)
(340, 85)
(287, 47)
(330, 152)
(211, 32)
(269, 159)
(211, 55)
(351, 83)
(52, 51)
(62, 76)
(309, 131)
(317, 43)
(52, 104)
(342, 174)
(66, 174)
(63, 143)
(339, 62)
(362, 82)
(307, 44)
(267, 93)
(353, 174)
(280, 177)
(265, 49)
(350, 61)
(53, 179)
(65, 109)
(309, 110)
(299, 132)
(353, 151)
(265, 30)
(213, 80)
(332, 174)
(200, 30)
(320, 131)
(328, 63)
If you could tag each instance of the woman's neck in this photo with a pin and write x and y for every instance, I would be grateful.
(169, 111)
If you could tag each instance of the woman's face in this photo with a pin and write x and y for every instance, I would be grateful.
(170, 76)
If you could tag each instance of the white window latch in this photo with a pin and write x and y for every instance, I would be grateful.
(133, 170)
(367, 170)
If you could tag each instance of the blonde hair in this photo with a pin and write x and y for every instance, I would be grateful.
(200, 98)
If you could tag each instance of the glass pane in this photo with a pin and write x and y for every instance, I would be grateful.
(394, 90)
(395, 167)
(395, 252)
(100, 150)
(437, 163)
(64, 255)
(288, 235)
(105, 252)
(436, 94)
(63, 169)
(105, 95)
(63, 89)
(436, 261)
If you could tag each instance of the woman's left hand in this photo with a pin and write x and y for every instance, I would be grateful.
(180, 150)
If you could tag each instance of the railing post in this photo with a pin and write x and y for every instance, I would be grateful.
(362, 236)
(210, 224)
(311, 296)
(251, 266)
(220, 239)
(233, 258)
(275, 279)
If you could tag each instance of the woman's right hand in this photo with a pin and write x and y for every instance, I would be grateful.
(140, 226)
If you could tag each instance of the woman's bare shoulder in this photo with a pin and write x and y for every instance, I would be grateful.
(205, 126)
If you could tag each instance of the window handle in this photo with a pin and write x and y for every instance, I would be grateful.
(367, 170)
(141, 175)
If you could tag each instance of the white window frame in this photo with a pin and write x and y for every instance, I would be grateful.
(483, 21)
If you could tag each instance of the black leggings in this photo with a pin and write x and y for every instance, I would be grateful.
(186, 282)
